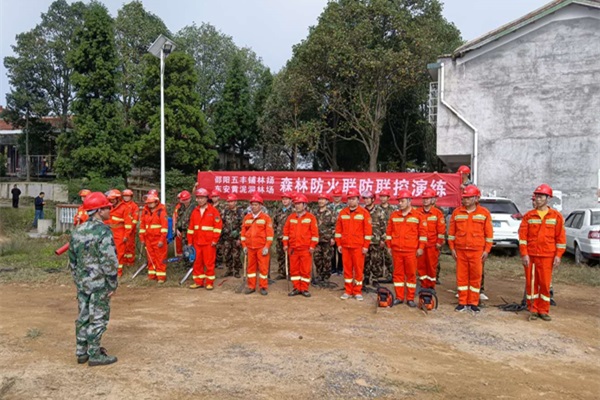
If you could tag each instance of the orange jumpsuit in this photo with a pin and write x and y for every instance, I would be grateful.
(120, 225)
(153, 230)
(203, 233)
(300, 234)
(257, 233)
(134, 211)
(80, 217)
(406, 234)
(436, 233)
(541, 240)
(353, 233)
(470, 235)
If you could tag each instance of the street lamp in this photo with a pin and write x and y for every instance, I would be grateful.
(161, 48)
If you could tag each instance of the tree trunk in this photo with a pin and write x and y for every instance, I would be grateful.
(374, 150)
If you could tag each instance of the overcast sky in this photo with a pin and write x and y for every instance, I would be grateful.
(269, 27)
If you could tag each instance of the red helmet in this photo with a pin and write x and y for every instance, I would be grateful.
(153, 192)
(367, 193)
(471, 191)
(353, 193)
(201, 192)
(232, 197)
(84, 192)
(337, 192)
(127, 192)
(151, 198)
(184, 195)
(95, 201)
(300, 198)
(543, 189)
(288, 195)
(404, 194)
(385, 192)
(113, 194)
(428, 193)
(256, 198)
(463, 169)
(215, 193)
(324, 196)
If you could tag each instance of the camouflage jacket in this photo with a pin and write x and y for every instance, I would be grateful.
(232, 223)
(388, 212)
(326, 221)
(378, 216)
(183, 217)
(93, 257)
(279, 219)
(336, 208)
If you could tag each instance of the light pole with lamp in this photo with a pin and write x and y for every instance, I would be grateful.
(161, 48)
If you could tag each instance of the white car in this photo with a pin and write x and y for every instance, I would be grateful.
(506, 220)
(583, 234)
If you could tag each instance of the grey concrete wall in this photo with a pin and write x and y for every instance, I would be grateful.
(53, 191)
(534, 97)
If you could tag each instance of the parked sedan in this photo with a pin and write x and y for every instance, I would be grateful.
(506, 220)
(583, 234)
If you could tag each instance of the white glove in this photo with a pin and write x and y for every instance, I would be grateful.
(265, 251)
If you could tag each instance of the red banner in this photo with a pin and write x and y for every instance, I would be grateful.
(271, 184)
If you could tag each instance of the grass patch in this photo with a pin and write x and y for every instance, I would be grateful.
(33, 333)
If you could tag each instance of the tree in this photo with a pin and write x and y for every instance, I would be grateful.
(99, 139)
(135, 30)
(189, 140)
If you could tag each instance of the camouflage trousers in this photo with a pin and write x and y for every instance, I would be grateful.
(388, 264)
(374, 262)
(280, 257)
(232, 255)
(322, 259)
(91, 323)
(220, 253)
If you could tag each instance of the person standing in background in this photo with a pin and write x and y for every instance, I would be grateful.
(16, 192)
(39, 208)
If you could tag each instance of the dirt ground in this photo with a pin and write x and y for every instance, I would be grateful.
(176, 343)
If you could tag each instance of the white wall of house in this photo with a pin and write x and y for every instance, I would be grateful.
(534, 97)
(52, 191)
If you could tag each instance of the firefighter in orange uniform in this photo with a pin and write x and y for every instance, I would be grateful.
(120, 225)
(257, 237)
(464, 173)
(353, 232)
(300, 237)
(153, 234)
(542, 242)
(81, 216)
(406, 237)
(203, 233)
(134, 211)
(436, 231)
(470, 239)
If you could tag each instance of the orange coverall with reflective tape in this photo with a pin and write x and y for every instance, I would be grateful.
(203, 233)
(541, 240)
(120, 225)
(80, 216)
(405, 234)
(300, 234)
(257, 233)
(154, 227)
(134, 211)
(470, 235)
(436, 234)
(353, 233)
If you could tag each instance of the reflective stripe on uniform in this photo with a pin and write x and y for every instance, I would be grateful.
(338, 235)
(252, 275)
(545, 298)
(523, 242)
(474, 289)
(207, 228)
(462, 288)
(261, 276)
(307, 280)
(451, 237)
(294, 278)
(423, 238)
(411, 285)
(398, 284)
(534, 221)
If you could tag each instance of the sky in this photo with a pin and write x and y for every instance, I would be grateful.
(269, 27)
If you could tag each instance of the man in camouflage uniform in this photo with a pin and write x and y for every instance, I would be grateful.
(93, 263)
(184, 210)
(388, 209)
(336, 258)
(279, 218)
(326, 220)
(215, 200)
(374, 258)
(232, 218)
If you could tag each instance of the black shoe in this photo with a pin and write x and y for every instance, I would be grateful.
(264, 292)
(82, 359)
(475, 309)
(228, 273)
(438, 282)
(280, 277)
(552, 302)
(460, 308)
(249, 291)
(411, 304)
(306, 293)
(398, 301)
(294, 292)
(102, 358)
(237, 275)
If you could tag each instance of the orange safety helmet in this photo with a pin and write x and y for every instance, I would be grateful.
(300, 198)
(471, 191)
(353, 193)
(337, 192)
(256, 198)
(385, 192)
(113, 194)
(404, 194)
(543, 189)
(463, 169)
(84, 192)
(201, 192)
(215, 193)
(324, 196)
(151, 198)
(232, 197)
(428, 193)
(184, 195)
(95, 201)
(127, 192)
